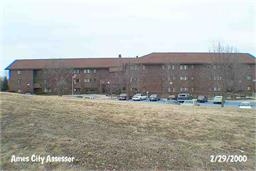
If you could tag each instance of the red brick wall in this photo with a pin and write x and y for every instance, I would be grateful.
(25, 84)
(152, 78)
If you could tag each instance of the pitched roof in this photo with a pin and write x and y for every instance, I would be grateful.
(191, 58)
(68, 63)
(152, 58)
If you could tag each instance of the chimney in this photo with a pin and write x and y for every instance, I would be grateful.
(119, 56)
(136, 56)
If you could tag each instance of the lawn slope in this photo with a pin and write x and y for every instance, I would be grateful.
(123, 135)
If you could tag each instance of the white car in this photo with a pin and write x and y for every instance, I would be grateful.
(138, 97)
(245, 105)
(192, 102)
(217, 99)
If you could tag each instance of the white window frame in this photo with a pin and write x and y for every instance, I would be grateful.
(76, 71)
(173, 67)
(185, 67)
(87, 71)
(87, 80)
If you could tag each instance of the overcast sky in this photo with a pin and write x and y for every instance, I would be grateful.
(106, 28)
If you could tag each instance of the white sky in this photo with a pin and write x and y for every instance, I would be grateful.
(106, 28)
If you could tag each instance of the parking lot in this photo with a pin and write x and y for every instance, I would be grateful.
(228, 103)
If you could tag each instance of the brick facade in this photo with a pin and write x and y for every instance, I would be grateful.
(128, 75)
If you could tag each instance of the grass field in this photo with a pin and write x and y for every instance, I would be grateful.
(111, 135)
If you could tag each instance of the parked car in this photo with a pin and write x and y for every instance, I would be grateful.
(202, 99)
(123, 96)
(183, 96)
(171, 97)
(154, 97)
(139, 97)
(245, 105)
(175, 102)
(192, 102)
(218, 100)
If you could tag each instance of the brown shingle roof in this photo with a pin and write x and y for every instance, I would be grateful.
(68, 63)
(152, 58)
(189, 58)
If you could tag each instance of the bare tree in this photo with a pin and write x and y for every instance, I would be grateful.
(227, 69)
(132, 78)
(58, 76)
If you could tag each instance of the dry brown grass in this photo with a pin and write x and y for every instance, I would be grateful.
(104, 134)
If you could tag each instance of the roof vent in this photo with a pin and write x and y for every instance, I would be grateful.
(119, 56)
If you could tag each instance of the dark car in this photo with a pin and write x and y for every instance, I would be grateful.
(123, 96)
(184, 96)
(202, 99)
(154, 97)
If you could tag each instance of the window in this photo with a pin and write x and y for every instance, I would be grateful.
(171, 67)
(185, 67)
(216, 89)
(77, 89)
(192, 89)
(249, 88)
(192, 78)
(249, 77)
(182, 89)
(217, 77)
(76, 71)
(19, 81)
(94, 71)
(18, 72)
(143, 67)
(86, 80)
(163, 67)
(19, 91)
(76, 81)
(87, 71)
(192, 66)
(169, 90)
(183, 78)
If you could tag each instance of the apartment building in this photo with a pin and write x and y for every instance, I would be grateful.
(162, 73)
